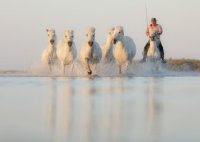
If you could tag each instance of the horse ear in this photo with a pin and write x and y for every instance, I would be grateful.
(93, 29)
(70, 31)
(111, 30)
(123, 32)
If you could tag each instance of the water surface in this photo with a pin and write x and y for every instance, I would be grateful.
(140, 109)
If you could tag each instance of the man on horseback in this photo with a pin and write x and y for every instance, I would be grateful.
(158, 30)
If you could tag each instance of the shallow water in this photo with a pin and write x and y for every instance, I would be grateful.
(140, 109)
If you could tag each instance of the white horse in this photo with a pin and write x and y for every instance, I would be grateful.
(90, 53)
(153, 54)
(66, 51)
(107, 48)
(124, 50)
(49, 54)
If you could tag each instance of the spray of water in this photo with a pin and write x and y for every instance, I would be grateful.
(110, 70)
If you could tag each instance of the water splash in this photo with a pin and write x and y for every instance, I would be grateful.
(111, 70)
(103, 70)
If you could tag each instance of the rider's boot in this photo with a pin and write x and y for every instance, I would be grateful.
(163, 60)
(162, 56)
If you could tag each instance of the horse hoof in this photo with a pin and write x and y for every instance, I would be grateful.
(142, 61)
(90, 72)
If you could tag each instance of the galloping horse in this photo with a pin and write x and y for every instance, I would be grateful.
(153, 54)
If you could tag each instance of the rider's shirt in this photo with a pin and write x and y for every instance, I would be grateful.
(158, 29)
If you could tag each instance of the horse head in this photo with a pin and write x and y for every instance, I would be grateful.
(154, 36)
(153, 51)
(69, 37)
(51, 36)
(90, 35)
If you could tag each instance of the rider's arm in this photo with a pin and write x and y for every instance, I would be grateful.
(160, 30)
(147, 31)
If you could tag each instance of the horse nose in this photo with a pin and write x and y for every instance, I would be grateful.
(114, 41)
(90, 43)
(52, 41)
(70, 43)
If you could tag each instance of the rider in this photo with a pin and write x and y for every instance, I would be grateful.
(158, 29)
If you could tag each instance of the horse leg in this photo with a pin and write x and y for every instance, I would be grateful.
(89, 71)
(63, 69)
(127, 64)
(95, 66)
(50, 63)
(50, 69)
(49, 66)
(120, 69)
(72, 67)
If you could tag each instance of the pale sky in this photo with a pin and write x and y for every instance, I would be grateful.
(23, 23)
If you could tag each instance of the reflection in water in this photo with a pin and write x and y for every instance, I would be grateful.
(87, 88)
(119, 86)
(154, 109)
(89, 111)
(52, 98)
(84, 115)
(64, 109)
(100, 110)
(59, 108)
